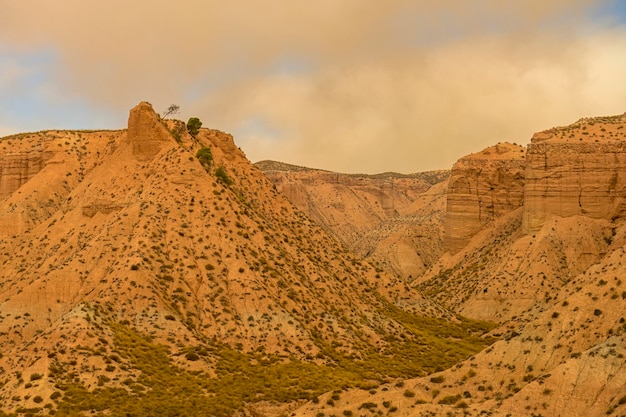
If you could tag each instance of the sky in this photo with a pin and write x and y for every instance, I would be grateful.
(344, 85)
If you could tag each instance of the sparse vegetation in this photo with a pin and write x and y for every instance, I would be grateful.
(223, 177)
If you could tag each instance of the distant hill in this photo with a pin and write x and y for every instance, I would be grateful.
(394, 219)
(431, 177)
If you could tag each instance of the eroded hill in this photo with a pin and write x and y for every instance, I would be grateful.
(149, 272)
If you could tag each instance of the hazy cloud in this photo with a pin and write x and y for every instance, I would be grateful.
(398, 85)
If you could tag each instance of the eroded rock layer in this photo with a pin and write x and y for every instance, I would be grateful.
(482, 187)
(17, 168)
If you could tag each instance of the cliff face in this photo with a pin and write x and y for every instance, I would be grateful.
(567, 171)
(576, 170)
(483, 186)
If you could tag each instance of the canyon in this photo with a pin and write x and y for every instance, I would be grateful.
(137, 276)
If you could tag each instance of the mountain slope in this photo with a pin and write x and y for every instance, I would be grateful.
(393, 219)
(149, 270)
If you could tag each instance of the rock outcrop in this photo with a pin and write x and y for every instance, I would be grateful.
(482, 187)
(17, 168)
(576, 170)
(567, 171)
(146, 133)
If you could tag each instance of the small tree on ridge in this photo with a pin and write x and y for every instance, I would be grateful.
(193, 126)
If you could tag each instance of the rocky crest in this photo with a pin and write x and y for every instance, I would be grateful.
(482, 187)
(146, 133)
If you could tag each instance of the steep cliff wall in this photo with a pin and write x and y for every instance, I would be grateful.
(482, 187)
(576, 170)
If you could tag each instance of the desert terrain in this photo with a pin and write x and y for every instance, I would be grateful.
(154, 270)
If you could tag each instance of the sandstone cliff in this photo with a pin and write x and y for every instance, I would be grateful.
(482, 187)
(576, 170)
(519, 228)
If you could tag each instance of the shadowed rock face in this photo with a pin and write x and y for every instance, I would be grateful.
(576, 170)
(483, 186)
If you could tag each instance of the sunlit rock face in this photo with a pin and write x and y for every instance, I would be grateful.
(576, 170)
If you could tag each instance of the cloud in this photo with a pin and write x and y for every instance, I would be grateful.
(351, 86)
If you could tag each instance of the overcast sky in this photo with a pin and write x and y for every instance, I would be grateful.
(345, 85)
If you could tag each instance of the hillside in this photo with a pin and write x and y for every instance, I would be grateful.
(395, 220)
(519, 228)
(149, 272)
(538, 245)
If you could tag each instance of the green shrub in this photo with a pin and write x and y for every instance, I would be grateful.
(205, 156)
(222, 176)
(193, 126)
(409, 394)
